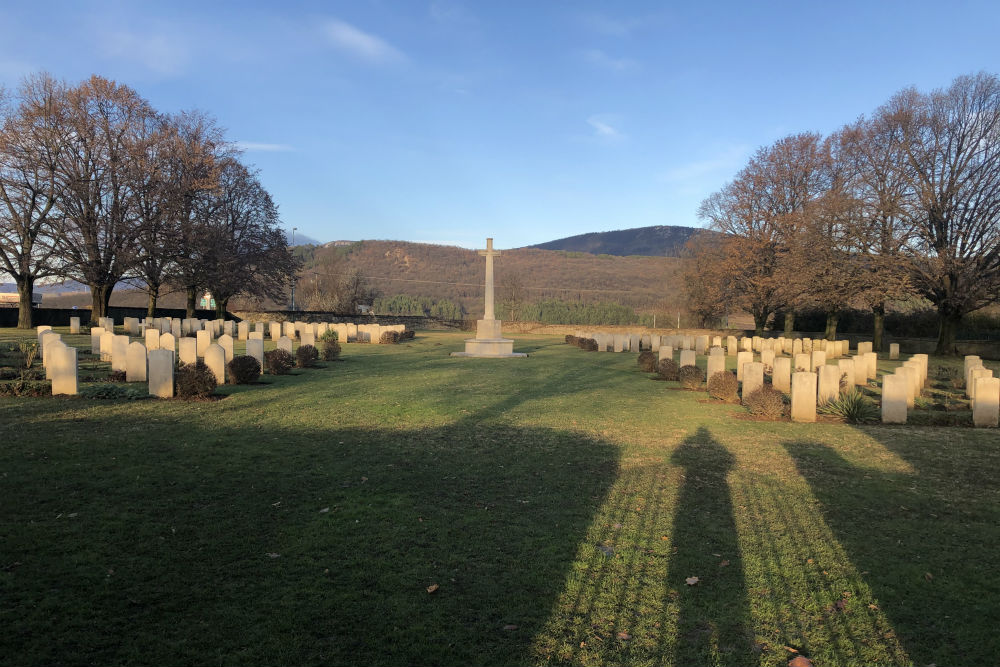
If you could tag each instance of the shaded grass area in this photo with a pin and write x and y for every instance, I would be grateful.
(560, 503)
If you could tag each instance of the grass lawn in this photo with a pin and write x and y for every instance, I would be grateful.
(560, 505)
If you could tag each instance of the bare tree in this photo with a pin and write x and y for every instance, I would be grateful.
(246, 251)
(32, 139)
(178, 168)
(878, 179)
(951, 141)
(98, 241)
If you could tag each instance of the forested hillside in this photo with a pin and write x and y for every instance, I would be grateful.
(522, 275)
(657, 241)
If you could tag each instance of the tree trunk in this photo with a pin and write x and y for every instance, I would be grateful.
(192, 300)
(760, 321)
(25, 312)
(878, 326)
(950, 321)
(831, 325)
(789, 323)
(220, 308)
(154, 292)
(100, 297)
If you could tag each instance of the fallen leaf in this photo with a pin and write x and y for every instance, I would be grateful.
(691, 581)
(800, 661)
(840, 604)
(432, 588)
(510, 627)
(624, 636)
(273, 555)
(617, 525)
(607, 551)
(717, 555)
(724, 563)
(664, 538)
(873, 606)
(928, 576)
(809, 560)
(791, 650)
(324, 510)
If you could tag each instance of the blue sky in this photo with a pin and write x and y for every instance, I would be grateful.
(446, 121)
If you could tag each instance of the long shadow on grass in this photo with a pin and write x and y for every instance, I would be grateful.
(183, 544)
(925, 542)
(714, 625)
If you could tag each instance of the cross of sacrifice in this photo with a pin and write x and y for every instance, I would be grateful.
(489, 254)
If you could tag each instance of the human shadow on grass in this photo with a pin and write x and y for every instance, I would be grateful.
(924, 541)
(714, 625)
(184, 544)
(631, 601)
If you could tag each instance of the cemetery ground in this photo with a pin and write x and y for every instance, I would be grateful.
(400, 506)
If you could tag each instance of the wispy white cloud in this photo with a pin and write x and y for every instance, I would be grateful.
(727, 159)
(360, 44)
(603, 60)
(161, 53)
(262, 147)
(603, 128)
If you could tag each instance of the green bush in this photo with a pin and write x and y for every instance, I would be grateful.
(25, 387)
(278, 362)
(194, 380)
(724, 386)
(647, 362)
(106, 391)
(765, 402)
(243, 369)
(306, 356)
(668, 369)
(854, 407)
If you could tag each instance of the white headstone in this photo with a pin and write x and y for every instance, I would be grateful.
(161, 372)
(895, 394)
(255, 349)
(135, 362)
(688, 358)
(753, 378)
(168, 342)
(119, 352)
(74, 325)
(64, 370)
(215, 359)
(803, 397)
(226, 343)
(986, 410)
(781, 378)
(152, 339)
(204, 339)
(285, 343)
(187, 349)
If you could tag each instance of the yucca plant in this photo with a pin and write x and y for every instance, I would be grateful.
(853, 406)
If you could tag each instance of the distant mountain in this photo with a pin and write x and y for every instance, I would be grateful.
(301, 239)
(656, 241)
(50, 288)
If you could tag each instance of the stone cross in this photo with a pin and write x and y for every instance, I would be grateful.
(489, 254)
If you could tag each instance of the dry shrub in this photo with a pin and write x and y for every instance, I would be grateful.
(388, 338)
(330, 349)
(278, 362)
(765, 402)
(194, 380)
(724, 386)
(243, 369)
(306, 356)
(570, 339)
(691, 377)
(647, 362)
(407, 335)
(588, 344)
(668, 369)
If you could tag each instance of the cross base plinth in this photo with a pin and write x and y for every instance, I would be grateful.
(489, 342)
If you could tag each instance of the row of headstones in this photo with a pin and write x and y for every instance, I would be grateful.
(153, 363)
(983, 390)
(306, 332)
(634, 342)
